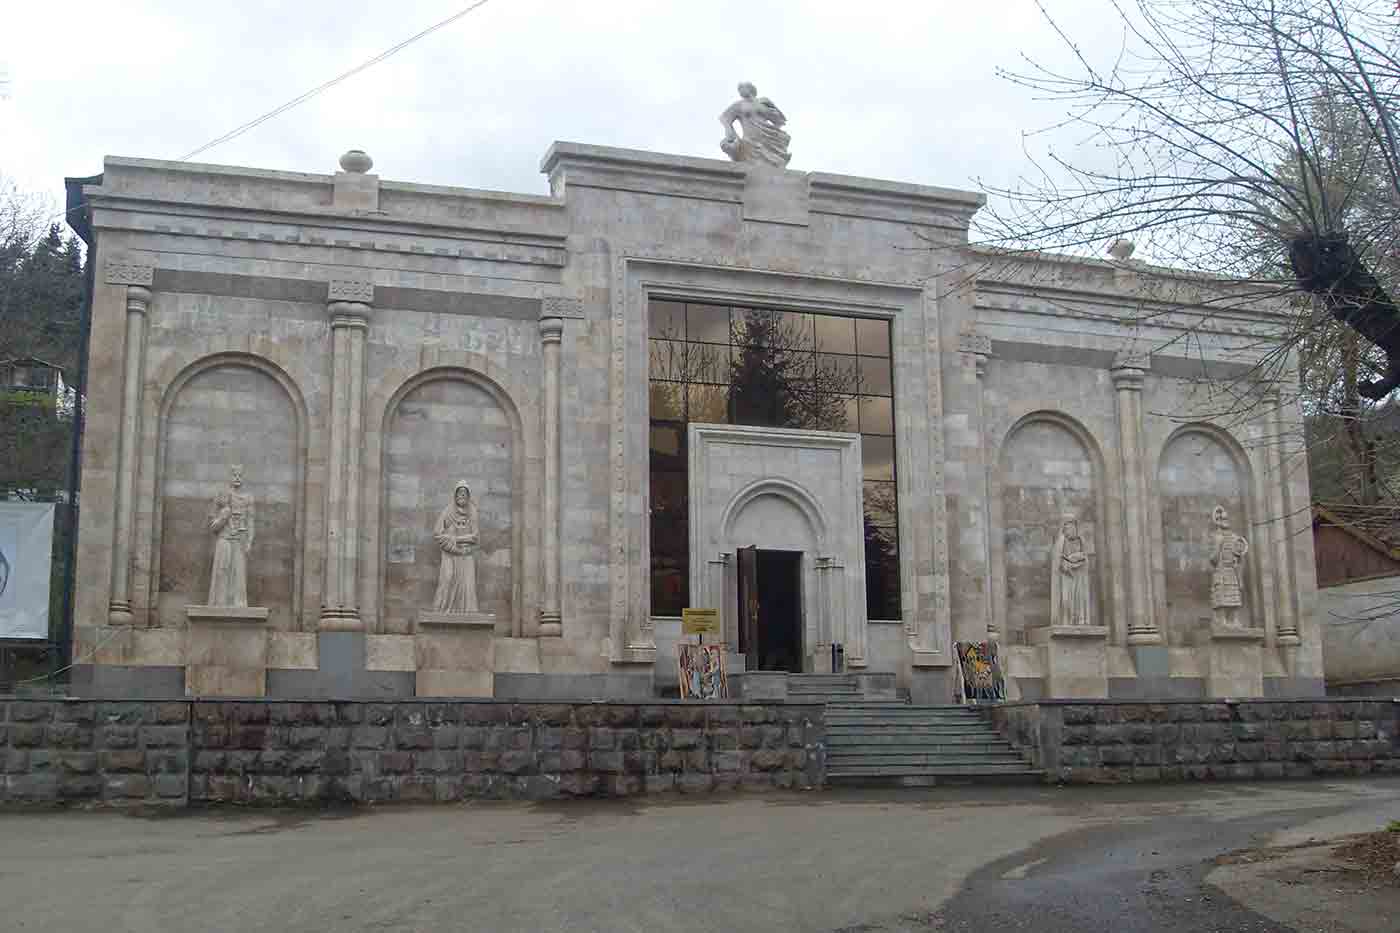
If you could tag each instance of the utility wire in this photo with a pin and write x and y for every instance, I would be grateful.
(303, 98)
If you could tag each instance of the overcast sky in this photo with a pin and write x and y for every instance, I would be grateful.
(896, 90)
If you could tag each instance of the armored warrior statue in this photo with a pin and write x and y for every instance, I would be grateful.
(1227, 552)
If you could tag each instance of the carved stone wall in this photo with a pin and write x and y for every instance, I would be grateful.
(443, 431)
(225, 415)
(1196, 473)
(1044, 471)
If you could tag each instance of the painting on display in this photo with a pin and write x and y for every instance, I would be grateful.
(980, 670)
(26, 555)
(701, 669)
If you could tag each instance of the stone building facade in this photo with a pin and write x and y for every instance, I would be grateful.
(359, 346)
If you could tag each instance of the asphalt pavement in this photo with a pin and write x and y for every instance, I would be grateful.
(960, 859)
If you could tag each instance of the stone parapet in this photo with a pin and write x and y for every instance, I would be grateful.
(269, 752)
(1116, 742)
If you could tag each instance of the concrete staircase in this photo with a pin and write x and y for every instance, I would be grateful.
(824, 688)
(874, 742)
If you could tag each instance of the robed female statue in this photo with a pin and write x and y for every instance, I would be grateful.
(1069, 577)
(457, 535)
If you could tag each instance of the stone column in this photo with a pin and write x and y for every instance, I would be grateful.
(979, 347)
(1128, 375)
(551, 618)
(137, 279)
(1286, 624)
(349, 304)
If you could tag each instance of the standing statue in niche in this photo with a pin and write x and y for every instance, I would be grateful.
(231, 521)
(762, 122)
(1069, 577)
(457, 534)
(1227, 551)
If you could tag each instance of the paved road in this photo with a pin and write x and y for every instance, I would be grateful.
(1081, 859)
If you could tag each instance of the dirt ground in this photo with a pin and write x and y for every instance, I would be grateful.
(1342, 884)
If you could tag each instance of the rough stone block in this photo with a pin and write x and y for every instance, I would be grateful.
(28, 735)
(686, 738)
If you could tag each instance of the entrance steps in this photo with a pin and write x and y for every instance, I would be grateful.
(824, 688)
(884, 743)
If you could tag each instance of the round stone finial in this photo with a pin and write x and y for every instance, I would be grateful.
(1121, 250)
(357, 161)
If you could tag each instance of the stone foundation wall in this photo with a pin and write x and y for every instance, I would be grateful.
(1088, 743)
(82, 751)
(189, 752)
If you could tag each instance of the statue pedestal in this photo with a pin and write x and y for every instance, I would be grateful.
(226, 653)
(1076, 660)
(455, 654)
(1235, 667)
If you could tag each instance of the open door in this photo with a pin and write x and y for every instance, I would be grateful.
(748, 606)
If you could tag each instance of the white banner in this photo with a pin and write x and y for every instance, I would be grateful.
(26, 553)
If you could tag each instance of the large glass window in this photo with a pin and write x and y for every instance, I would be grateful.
(721, 364)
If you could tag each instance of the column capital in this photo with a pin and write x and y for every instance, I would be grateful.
(1129, 370)
(551, 329)
(138, 298)
(349, 314)
(118, 272)
(978, 346)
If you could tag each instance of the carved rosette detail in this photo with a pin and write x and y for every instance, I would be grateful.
(555, 306)
(349, 290)
(129, 273)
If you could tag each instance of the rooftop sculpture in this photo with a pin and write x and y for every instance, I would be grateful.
(762, 122)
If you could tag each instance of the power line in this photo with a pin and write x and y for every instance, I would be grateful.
(303, 98)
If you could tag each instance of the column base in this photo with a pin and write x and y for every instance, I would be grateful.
(340, 620)
(1144, 637)
(551, 625)
(119, 613)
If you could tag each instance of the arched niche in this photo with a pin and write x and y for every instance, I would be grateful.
(444, 426)
(1201, 467)
(222, 410)
(1048, 466)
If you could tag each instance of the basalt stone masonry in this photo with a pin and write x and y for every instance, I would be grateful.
(274, 752)
(1094, 743)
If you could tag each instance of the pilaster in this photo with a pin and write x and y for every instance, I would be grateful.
(138, 279)
(349, 304)
(1128, 374)
(1285, 586)
(978, 349)
(551, 338)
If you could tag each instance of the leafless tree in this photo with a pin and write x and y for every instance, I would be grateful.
(1253, 139)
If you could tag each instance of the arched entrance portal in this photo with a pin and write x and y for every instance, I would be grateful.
(775, 520)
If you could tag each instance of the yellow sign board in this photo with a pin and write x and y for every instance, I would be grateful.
(700, 621)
